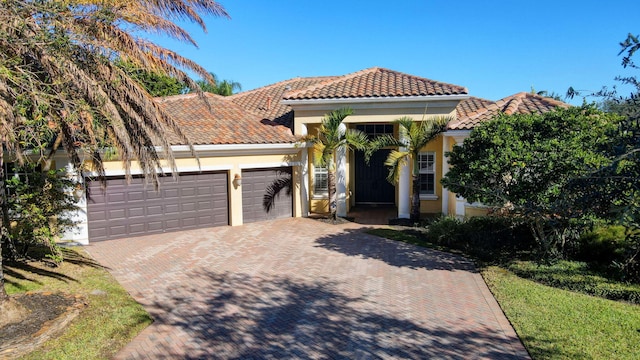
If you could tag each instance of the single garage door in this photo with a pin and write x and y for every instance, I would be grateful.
(256, 184)
(192, 201)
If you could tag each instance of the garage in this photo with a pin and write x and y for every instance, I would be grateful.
(194, 200)
(255, 184)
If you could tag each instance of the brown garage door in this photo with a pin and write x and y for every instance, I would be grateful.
(193, 201)
(255, 184)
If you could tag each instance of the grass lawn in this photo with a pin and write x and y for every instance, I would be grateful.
(554, 323)
(111, 319)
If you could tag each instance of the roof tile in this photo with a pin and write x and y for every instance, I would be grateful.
(267, 101)
(217, 120)
(473, 111)
(375, 82)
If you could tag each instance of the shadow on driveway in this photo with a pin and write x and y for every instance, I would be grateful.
(240, 316)
(356, 242)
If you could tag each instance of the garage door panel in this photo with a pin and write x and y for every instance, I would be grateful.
(254, 185)
(193, 201)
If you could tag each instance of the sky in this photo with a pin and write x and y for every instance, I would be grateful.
(493, 48)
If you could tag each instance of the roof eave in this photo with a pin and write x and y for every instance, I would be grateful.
(375, 99)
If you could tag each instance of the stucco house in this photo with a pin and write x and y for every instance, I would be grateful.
(247, 141)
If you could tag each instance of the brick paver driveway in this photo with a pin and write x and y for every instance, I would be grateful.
(299, 288)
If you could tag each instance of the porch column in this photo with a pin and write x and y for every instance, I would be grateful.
(445, 170)
(404, 197)
(81, 234)
(341, 177)
(304, 173)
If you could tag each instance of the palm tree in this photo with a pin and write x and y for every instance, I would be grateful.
(331, 136)
(414, 136)
(59, 76)
(224, 87)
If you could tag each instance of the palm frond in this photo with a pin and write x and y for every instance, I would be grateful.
(284, 182)
(395, 161)
(356, 139)
(57, 64)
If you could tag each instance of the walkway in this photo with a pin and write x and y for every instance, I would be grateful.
(300, 288)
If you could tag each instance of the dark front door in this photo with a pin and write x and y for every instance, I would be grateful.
(371, 185)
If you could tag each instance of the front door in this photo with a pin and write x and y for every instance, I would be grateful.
(371, 184)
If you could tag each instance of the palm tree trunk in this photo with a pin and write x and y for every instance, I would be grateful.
(4, 225)
(331, 185)
(415, 198)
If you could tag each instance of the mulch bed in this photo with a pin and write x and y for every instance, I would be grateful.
(49, 314)
(325, 219)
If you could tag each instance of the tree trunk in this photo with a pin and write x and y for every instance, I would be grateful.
(415, 198)
(331, 185)
(4, 226)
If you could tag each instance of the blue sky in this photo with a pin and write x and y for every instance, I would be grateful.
(494, 48)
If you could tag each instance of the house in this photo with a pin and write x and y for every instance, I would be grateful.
(246, 142)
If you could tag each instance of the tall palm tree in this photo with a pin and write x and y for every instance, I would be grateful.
(415, 135)
(331, 136)
(59, 76)
(224, 87)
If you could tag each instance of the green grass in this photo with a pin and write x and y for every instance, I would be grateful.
(109, 321)
(576, 276)
(555, 323)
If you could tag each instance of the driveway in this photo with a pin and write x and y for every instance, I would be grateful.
(299, 288)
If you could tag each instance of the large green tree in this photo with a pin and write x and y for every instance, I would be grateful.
(332, 135)
(615, 189)
(156, 84)
(58, 76)
(414, 136)
(524, 165)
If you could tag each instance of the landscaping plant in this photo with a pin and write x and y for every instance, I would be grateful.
(522, 166)
(41, 207)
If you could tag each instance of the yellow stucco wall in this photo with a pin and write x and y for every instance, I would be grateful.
(433, 206)
(232, 165)
(471, 211)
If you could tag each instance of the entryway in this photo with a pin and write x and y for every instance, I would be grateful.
(371, 185)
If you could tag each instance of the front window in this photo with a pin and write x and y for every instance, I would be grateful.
(427, 167)
(375, 130)
(320, 180)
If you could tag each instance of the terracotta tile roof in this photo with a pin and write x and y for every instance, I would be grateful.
(473, 111)
(267, 101)
(223, 122)
(375, 82)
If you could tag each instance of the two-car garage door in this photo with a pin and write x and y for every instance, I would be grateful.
(123, 210)
(195, 200)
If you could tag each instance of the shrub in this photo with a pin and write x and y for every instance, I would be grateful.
(444, 231)
(603, 245)
(39, 209)
(490, 238)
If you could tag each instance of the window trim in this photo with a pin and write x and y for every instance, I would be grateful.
(433, 171)
(324, 193)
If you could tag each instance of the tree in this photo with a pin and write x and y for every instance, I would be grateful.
(523, 164)
(413, 137)
(332, 135)
(156, 84)
(57, 74)
(224, 87)
(615, 188)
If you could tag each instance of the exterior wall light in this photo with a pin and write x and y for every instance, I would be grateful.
(78, 192)
(237, 180)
